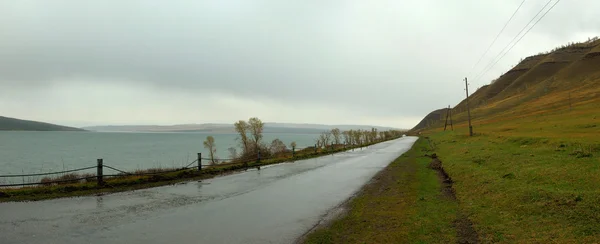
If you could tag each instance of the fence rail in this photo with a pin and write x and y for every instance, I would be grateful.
(100, 166)
(50, 173)
(52, 182)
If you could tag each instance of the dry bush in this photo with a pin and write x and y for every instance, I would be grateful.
(153, 170)
(46, 181)
(90, 177)
(69, 178)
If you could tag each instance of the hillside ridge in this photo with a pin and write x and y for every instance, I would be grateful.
(270, 127)
(566, 75)
(13, 124)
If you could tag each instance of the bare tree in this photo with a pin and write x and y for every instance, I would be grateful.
(388, 135)
(256, 128)
(212, 148)
(232, 153)
(324, 139)
(327, 138)
(351, 137)
(277, 147)
(242, 128)
(357, 135)
(347, 138)
(373, 135)
(321, 141)
(335, 132)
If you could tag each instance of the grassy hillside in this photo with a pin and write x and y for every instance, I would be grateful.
(531, 173)
(567, 76)
(432, 118)
(27, 125)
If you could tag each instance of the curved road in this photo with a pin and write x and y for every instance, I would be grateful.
(274, 205)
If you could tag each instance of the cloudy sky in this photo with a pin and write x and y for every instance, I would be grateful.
(384, 62)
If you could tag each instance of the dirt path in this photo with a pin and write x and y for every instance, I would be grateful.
(465, 231)
(401, 204)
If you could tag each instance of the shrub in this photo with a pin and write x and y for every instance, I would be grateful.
(46, 181)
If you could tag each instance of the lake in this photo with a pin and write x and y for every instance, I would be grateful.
(38, 152)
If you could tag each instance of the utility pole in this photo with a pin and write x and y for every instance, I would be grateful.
(446, 122)
(448, 114)
(468, 110)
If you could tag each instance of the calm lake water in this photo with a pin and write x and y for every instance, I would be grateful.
(38, 152)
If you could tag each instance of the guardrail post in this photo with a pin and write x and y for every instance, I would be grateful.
(99, 173)
(199, 161)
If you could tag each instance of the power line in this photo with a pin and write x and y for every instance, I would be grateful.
(502, 52)
(497, 36)
(523, 35)
(488, 67)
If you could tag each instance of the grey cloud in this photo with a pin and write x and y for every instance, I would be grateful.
(374, 58)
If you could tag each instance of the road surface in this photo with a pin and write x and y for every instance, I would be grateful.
(276, 204)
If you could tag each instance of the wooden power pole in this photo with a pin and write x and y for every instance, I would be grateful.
(468, 110)
(448, 114)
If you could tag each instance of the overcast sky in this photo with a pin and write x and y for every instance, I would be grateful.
(379, 62)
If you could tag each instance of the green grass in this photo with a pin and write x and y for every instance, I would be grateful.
(531, 178)
(403, 204)
(521, 189)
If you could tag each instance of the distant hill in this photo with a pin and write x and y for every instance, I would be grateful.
(327, 127)
(565, 76)
(431, 118)
(160, 128)
(228, 128)
(28, 125)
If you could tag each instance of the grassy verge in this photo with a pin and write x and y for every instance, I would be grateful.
(126, 183)
(402, 204)
(533, 179)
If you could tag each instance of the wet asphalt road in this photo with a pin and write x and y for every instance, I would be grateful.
(274, 205)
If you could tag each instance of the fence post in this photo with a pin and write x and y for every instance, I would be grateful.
(258, 156)
(315, 148)
(99, 173)
(293, 152)
(199, 161)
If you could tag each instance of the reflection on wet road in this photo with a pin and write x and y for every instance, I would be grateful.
(274, 205)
